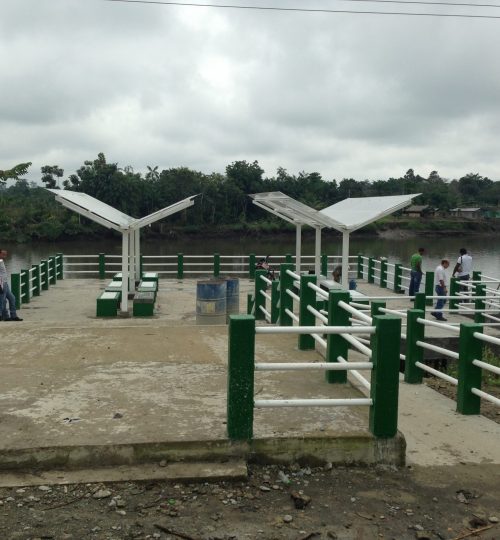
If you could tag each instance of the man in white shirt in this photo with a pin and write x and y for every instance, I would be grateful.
(463, 268)
(441, 288)
(6, 295)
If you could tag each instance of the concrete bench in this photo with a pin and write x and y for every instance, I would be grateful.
(148, 286)
(144, 304)
(150, 276)
(114, 286)
(107, 304)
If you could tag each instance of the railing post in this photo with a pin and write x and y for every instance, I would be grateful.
(479, 303)
(36, 280)
(216, 264)
(240, 378)
(336, 345)
(60, 265)
(102, 266)
(260, 299)
(360, 266)
(476, 275)
(180, 265)
(469, 375)
(429, 287)
(371, 270)
(286, 301)
(44, 275)
(324, 264)
(275, 300)
(398, 277)
(375, 307)
(414, 332)
(15, 283)
(289, 259)
(25, 286)
(306, 318)
(251, 266)
(420, 302)
(383, 273)
(384, 390)
(250, 303)
(52, 270)
(454, 288)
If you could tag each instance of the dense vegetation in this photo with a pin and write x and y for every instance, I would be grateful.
(27, 211)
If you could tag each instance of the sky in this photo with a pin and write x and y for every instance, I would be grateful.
(346, 95)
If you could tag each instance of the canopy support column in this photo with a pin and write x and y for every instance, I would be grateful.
(298, 247)
(131, 279)
(317, 252)
(125, 273)
(137, 234)
(345, 260)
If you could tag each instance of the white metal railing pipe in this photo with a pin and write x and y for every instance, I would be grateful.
(364, 382)
(318, 290)
(394, 312)
(319, 340)
(437, 373)
(484, 337)
(299, 366)
(486, 396)
(435, 348)
(492, 318)
(443, 326)
(266, 280)
(355, 312)
(361, 307)
(317, 314)
(358, 345)
(292, 315)
(486, 366)
(293, 295)
(264, 310)
(315, 330)
(266, 403)
(293, 274)
(263, 293)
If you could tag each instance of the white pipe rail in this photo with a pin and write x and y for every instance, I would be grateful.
(364, 382)
(293, 295)
(486, 366)
(484, 337)
(486, 396)
(355, 312)
(314, 330)
(437, 373)
(394, 312)
(435, 348)
(436, 324)
(317, 314)
(319, 340)
(293, 275)
(266, 313)
(296, 366)
(267, 403)
(318, 290)
(292, 315)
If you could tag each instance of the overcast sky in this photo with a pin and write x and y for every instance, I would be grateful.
(361, 96)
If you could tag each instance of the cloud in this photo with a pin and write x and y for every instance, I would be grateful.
(345, 95)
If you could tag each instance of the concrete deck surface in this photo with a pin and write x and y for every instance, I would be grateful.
(76, 390)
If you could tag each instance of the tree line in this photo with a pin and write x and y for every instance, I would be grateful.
(28, 211)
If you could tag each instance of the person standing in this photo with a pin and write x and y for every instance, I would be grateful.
(416, 272)
(463, 268)
(441, 288)
(6, 295)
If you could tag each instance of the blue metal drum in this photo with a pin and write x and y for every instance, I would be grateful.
(211, 301)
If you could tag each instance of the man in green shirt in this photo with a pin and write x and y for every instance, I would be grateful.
(416, 271)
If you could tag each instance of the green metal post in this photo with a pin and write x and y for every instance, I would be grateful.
(289, 259)
(414, 332)
(454, 288)
(420, 301)
(102, 266)
(324, 265)
(25, 286)
(384, 389)
(398, 277)
(60, 265)
(36, 280)
(429, 287)
(371, 270)
(286, 301)
(383, 273)
(469, 375)
(44, 266)
(336, 345)
(275, 301)
(52, 270)
(251, 266)
(306, 318)
(360, 266)
(15, 284)
(180, 265)
(476, 275)
(479, 303)
(260, 299)
(240, 379)
(375, 307)
(216, 264)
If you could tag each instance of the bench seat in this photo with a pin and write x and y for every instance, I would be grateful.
(107, 304)
(150, 276)
(144, 304)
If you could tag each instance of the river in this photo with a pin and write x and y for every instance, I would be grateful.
(485, 250)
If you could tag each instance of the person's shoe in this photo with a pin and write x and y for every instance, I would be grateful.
(14, 319)
(434, 314)
(441, 319)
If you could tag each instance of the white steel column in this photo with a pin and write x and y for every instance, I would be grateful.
(125, 244)
(298, 247)
(345, 260)
(137, 234)
(131, 266)
(317, 252)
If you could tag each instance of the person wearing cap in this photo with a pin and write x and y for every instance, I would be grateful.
(441, 288)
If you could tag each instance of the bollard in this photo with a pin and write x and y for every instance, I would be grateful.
(216, 265)
(469, 375)
(414, 332)
(383, 273)
(251, 266)
(240, 377)
(375, 307)
(102, 266)
(429, 287)
(289, 259)
(60, 265)
(336, 345)
(398, 278)
(275, 301)
(306, 318)
(384, 390)
(360, 266)
(36, 280)
(25, 286)
(15, 284)
(371, 270)
(286, 301)
(324, 265)
(180, 265)
(454, 288)
(420, 302)
(260, 299)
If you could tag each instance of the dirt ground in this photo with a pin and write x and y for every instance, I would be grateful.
(275, 503)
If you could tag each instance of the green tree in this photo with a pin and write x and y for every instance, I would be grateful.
(14, 173)
(50, 173)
